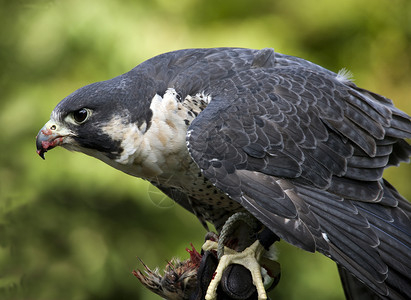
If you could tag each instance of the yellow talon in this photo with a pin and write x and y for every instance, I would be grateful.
(248, 258)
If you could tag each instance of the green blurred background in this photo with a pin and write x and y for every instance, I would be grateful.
(72, 227)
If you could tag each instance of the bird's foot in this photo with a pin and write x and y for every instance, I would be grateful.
(249, 258)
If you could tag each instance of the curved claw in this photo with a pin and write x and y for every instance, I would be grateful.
(237, 283)
(248, 258)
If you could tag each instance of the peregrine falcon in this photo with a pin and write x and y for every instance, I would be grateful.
(222, 131)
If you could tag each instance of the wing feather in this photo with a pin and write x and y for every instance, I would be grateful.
(304, 152)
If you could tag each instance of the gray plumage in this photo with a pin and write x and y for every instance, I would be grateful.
(301, 148)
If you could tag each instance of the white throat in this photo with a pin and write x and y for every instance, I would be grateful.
(159, 152)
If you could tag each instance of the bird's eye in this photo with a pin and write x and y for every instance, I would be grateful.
(81, 115)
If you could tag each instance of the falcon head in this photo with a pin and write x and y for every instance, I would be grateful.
(96, 118)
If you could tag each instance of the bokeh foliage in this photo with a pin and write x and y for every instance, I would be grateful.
(71, 227)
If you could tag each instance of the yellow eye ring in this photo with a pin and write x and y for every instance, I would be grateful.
(81, 115)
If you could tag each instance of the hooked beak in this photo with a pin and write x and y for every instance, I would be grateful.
(49, 137)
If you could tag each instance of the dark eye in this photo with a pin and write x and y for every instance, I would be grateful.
(81, 115)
